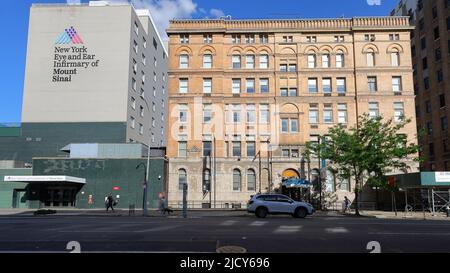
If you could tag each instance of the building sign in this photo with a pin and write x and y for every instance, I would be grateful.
(442, 176)
(71, 56)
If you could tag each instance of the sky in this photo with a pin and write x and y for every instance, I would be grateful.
(14, 28)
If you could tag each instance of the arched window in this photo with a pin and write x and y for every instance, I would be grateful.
(264, 60)
(370, 57)
(340, 59)
(207, 60)
(236, 180)
(250, 61)
(325, 60)
(206, 187)
(311, 60)
(184, 60)
(251, 180)
(182, 178)
(236, 60)
(395, 58)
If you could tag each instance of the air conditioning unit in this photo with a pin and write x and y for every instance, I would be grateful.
(397, 93)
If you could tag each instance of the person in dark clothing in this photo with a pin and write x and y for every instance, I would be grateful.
(347, 204)
(110, 203)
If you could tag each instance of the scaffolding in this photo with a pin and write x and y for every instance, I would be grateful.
(427, 199)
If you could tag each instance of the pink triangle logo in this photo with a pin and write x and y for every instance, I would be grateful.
(69, 36)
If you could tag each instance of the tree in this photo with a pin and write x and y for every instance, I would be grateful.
(366, 152)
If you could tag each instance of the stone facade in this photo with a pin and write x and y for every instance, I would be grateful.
(241, 90)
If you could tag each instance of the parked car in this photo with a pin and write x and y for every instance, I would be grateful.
(263, 204)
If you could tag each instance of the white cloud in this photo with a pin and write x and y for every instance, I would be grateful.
(164, 10)
(216, 13)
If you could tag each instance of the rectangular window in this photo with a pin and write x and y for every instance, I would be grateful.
(342, 113)
(311, 39)
(236, 111)
(436, 33)
(370, 59)
(431, 148)
(340, 60)
(183, 113)
(325, 61)
(236, 149)
(236, 86)
(135, 47)
(284, 125)
(141, 111)
(184, 38)
(426, 83)
(424, 63)
(428, 106)
(398, 112)
(311, 61)
(207, 148)
(292, 92)
(249, 39)
(429, 128)
(183, 85)
(184, 61)
(285, 153)
(283, 67)
(133, 103)
(207, 85)
(264, 61)
(207, 113)
(442, 100)
(395, 59)
(141, 129)
(251, 113)
(182, 149)
(440, 75)
(373, 109)
(207, 39)
(144, 60)
(134, 66)
(437, 54)
(294, 125)
(423, 43)
(283, 92)
(326, 85)
(250, 148)
(133, 84)
(264, 85)
(340, 85)
(292, 67)
(264, 113)
(207, 61)
(312, 85)
(328, 113)
(236, 39)
(132, 122)
(250, 86)
(372, 84)
(144, 42)
(397, 84)
(313, 114)
(236, 60)
(444, 124)
(263, 38)
(250, 61)
(155, 44)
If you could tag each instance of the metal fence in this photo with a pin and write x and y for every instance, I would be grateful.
(201, 204)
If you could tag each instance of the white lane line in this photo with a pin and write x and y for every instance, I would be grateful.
(410, 233)
(120, 231)
(258, 223)
(228, 223)
(287, 229)
(336, 230)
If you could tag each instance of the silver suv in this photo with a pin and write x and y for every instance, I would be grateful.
(263, 204)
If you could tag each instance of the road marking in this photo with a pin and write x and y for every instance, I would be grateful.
(120, 231)
(410, 233)
(228, 223)
(336, 230)
(287, 229)
(258, 223)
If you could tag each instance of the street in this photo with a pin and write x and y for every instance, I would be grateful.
(205, 234)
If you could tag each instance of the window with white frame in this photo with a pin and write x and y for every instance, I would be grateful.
(236, 113)
(399, 113)
(373, 110)
(183, 85)
(207, 85)
(395, 59)
(370, 58)
(184, 38)
(183, 113)
(285, 125)
(236, 177)
(264, 61)
(250, 85)
(207, 38)
(236, 61)
(251, 113)
(340, 85)
(311, 61)
(372, 83)
(236, 148)
(132, 122)
(182, 148)
(184, 60)
(339, 60)
(264, 113)
(396, 84)
(236, 38)
(327, 113)
(207, 61)
(207, 112)
(294, 125)
(236, 86)
(326, 85)
(325, 60)
(249, 39)
(342, 113)
(263, 38)
(313, 113)
(250, 61)
(312, 85)
(264, 85)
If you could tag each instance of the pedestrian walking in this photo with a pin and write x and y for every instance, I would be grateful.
(347, 204)
(165, 207)
(110, 203)
(161, 204)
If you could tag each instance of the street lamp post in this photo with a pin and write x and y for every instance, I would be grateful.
(144, 198)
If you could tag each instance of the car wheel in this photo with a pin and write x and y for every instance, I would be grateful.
(261, 212)
(300, 213)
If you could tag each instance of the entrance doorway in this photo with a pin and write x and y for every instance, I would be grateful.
(60, 196)
(19, 199)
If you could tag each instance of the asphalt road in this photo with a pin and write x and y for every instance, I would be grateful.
(206, 234)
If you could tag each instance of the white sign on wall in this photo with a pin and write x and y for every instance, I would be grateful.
(442, 176)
